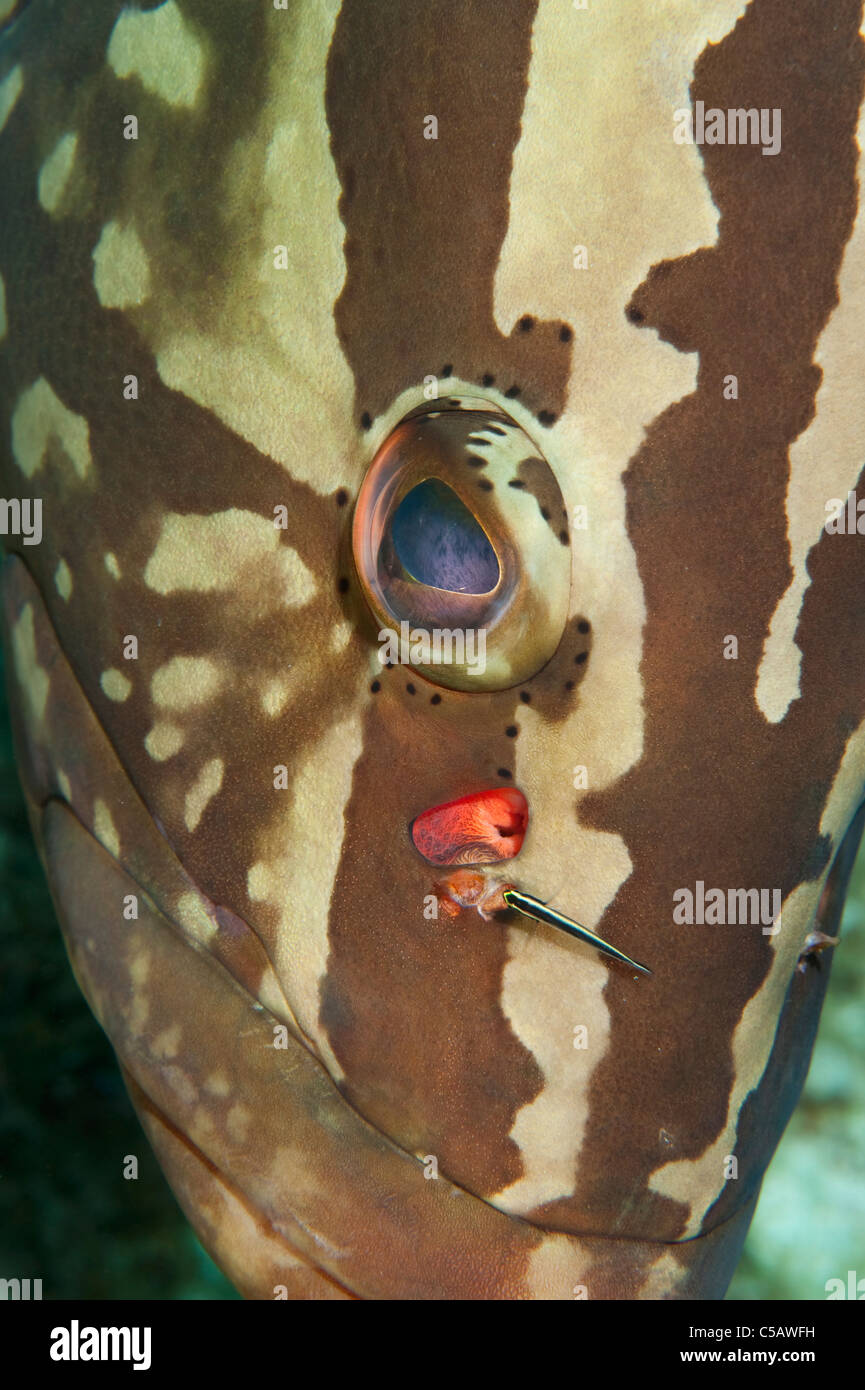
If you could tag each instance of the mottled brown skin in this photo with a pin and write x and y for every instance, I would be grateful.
(718, 517)
(302, 1166)
(423, 233)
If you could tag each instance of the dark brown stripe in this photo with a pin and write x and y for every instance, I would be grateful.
(425, 219)
(721, 795)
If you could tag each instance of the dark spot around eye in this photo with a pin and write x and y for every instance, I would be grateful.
(546, 417)
(447, 369)
(366, 419)
(527, 323)
(525, 697)
(507, 832)
(503, 772)
(512, 731)
(534, 475)
(580, 657)
(487, 380)
(634, 314)
(410, 688)
(341, 497)
(342, 585)
(565, 334)
(388, 662)
(569, 685)
(435, 699)
(495, 429)
(375, 687)
(584, 626)
(454, 402)
(485, 484)
(475, 462)
(563, 537)
(512, 391)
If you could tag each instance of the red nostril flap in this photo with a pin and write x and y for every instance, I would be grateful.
(483, 828)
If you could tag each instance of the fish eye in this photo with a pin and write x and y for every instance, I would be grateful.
(462, 548)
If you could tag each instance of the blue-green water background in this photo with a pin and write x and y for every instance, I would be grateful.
(69, 1218)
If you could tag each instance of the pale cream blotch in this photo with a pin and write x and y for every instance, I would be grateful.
(299, 856)
(121, 269)
(200, 1128)
(595, 100)
(181, 1084)
(104, 828)
(549, 986)
(217, 1084)
(10, 91)
(272, 996)
(193, 916)
(115, 685)
(32, 677)
(591, 866)
(258, 883)
(138, 1011)
(184, 682)
(233, 1227)
(139, 969)
(226, 552)
(699, 1181)
(664, 1277)
(556, 1267)
(202, 792)
(63, 580)
(289, 1170)
(269, 364)
(64, 784)
(167, 1043)
(274, 696)
(163, 741)
(111, 564)
(340, 635)
(825, 463)
(54, 174)
(159, 49)
(598, 101)
(39, 417)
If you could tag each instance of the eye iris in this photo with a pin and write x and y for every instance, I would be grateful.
(440, 543)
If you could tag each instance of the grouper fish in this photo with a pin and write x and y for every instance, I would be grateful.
(433, 593)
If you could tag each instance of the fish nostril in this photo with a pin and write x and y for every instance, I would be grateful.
(483, 828)
(517, 828)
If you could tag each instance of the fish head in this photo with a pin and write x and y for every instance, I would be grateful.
(325, 319)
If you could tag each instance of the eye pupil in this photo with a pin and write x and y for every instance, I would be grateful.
(440, 543)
